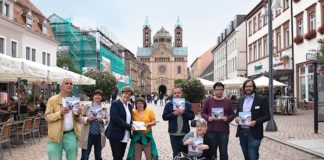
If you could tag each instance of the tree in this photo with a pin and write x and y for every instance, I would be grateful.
(321, 52)
(105, 81)
(64, 61)
(194, 90)
(179, 81)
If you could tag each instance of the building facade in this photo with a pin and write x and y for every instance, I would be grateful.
(201, 63)
(139, 73)
(25, 33)
(308, 20)
(166, 62)
(258, 40)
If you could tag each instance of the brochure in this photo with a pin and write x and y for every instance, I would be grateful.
(245, 118)
(96, 111)
(217, 113)
(138, 125)
(178, 103)
(73, 103)
(196, 142)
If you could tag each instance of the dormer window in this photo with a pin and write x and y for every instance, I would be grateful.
(29, 20)
(44, 28)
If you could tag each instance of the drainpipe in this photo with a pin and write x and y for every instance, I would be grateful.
(292, 49)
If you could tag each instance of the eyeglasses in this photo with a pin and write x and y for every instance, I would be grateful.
(248, 86)
(68, 83)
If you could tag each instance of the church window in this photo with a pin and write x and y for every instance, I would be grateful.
(179, 70)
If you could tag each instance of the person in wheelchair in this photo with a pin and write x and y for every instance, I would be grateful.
(196, 144)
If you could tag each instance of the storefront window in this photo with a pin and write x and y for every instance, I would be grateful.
(310, 87)
(310, 68)
(302, 87)
(302, 70)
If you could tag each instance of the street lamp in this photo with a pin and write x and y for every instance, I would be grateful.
(271, 125)
(313, 58)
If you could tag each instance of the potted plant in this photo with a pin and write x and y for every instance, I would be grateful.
(298, 39)
(321, 29)
(194, 92)
(310, 35)
(284, 59)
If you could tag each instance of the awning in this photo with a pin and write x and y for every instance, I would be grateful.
(234, 83)
(11, 68)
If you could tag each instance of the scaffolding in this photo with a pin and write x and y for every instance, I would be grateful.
(81, 47)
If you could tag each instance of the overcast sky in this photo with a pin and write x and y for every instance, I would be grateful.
(123, 20)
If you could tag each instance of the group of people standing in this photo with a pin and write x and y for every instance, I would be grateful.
(64, 132)
(215, 130)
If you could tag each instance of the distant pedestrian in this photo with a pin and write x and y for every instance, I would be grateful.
(251, 134)
(178, 120)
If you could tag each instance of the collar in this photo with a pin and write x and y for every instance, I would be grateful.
(250, 96)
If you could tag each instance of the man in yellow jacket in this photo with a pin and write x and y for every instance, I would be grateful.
(63, 125)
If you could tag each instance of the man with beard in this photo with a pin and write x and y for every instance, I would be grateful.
(219, 112)
(250, 135)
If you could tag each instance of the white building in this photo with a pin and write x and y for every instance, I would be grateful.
(308, 19)
(25, 33)
(230, 53)
(257, 44)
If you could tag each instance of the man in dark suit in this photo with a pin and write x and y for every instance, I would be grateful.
(120, 126)
(250, 135)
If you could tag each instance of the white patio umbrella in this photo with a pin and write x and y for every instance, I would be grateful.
(236, 82)
(264, 82)
(56, 74)
(11, 68)
(208, 84)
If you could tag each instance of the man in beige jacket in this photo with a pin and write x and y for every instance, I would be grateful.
(63, 125)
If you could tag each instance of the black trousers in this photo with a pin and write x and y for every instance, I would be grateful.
(93, 140)
(118, 149)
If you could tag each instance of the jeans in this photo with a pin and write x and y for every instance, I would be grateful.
(69, 144)
(250, 146)
(93, 140)
(176, 142)
(220, 140)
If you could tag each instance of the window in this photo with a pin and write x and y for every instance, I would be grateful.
(255, 52)
(179, 70)
(306, 82)
(44, 28)
(286, 37)
(265, 20)
(265, 46)
(286, 4)
(2, 45)
(6, 9)
(254, 25)
(14, 49)
(34, 55)
(28, 53)
(250, 53)
(312, 21)
(29, 20)
(48, 59)
(300, 30)
(44, 58)
(259, 20)
(279, 41)
(260, 49)
(250, 28)
(1, 3)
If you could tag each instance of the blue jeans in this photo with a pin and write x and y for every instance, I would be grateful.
(94, 140)
(176, 142)
(250, 146)
(220, 140)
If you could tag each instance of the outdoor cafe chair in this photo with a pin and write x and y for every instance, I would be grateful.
(25, 130)
(5, 137)
(36, 128)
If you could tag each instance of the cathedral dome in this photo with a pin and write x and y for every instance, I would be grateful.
(162, 36)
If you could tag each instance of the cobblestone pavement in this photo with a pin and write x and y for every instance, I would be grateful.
(269, 150)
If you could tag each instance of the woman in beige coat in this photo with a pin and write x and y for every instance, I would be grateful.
(94, 118)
